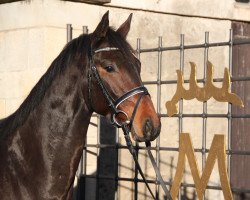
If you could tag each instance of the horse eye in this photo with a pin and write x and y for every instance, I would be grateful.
(109, 68)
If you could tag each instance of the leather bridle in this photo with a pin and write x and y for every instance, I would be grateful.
(127, 124)
(113, 104)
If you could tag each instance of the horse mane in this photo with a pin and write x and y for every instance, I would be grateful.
(77, 47)
(64, 59)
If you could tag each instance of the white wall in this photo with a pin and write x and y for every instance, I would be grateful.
(223, 9)
(40, 25)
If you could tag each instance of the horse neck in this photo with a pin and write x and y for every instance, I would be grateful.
(52, 138)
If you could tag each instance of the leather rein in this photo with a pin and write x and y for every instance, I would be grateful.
(128, 123)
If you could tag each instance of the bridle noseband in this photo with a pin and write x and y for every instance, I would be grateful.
(113, 104)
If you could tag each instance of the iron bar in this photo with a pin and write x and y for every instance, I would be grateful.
(151, 181)
(137, 145)
(233, 79)
(181, 115)
(85, 30)
(69, 32)
(180, 124)
(182, 69)
(204, 112)
(196, 46)
(83, 161)
(229, 137)
(209, 115)
(231, 152)
(159, 69)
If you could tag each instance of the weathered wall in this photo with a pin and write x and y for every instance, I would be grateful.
(40, 25)
(33, 33)
(224, 9)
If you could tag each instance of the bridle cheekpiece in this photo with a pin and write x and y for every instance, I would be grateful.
(113, 104)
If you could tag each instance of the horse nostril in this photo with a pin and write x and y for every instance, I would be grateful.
(150, 131)
(148, 128)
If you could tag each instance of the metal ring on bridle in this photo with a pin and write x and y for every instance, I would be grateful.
(115, 122)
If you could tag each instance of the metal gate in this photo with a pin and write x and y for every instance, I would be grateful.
(106, 162)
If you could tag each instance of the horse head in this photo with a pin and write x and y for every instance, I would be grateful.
(115, 88)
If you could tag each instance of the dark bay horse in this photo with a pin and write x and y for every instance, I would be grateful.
(42, 142)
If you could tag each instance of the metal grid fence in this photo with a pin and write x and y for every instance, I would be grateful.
(204, 115)
(158, 148)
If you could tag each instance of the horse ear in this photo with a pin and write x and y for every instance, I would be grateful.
(125, 27)
(102, 28)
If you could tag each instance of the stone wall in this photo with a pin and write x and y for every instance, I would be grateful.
(40, 25)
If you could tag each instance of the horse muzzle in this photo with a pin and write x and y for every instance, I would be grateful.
(150, 132)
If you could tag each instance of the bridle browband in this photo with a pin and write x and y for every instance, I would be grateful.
(128, 123)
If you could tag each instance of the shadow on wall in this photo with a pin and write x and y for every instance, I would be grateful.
(102, 184)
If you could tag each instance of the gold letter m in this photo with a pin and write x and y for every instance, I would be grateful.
(217, 151)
